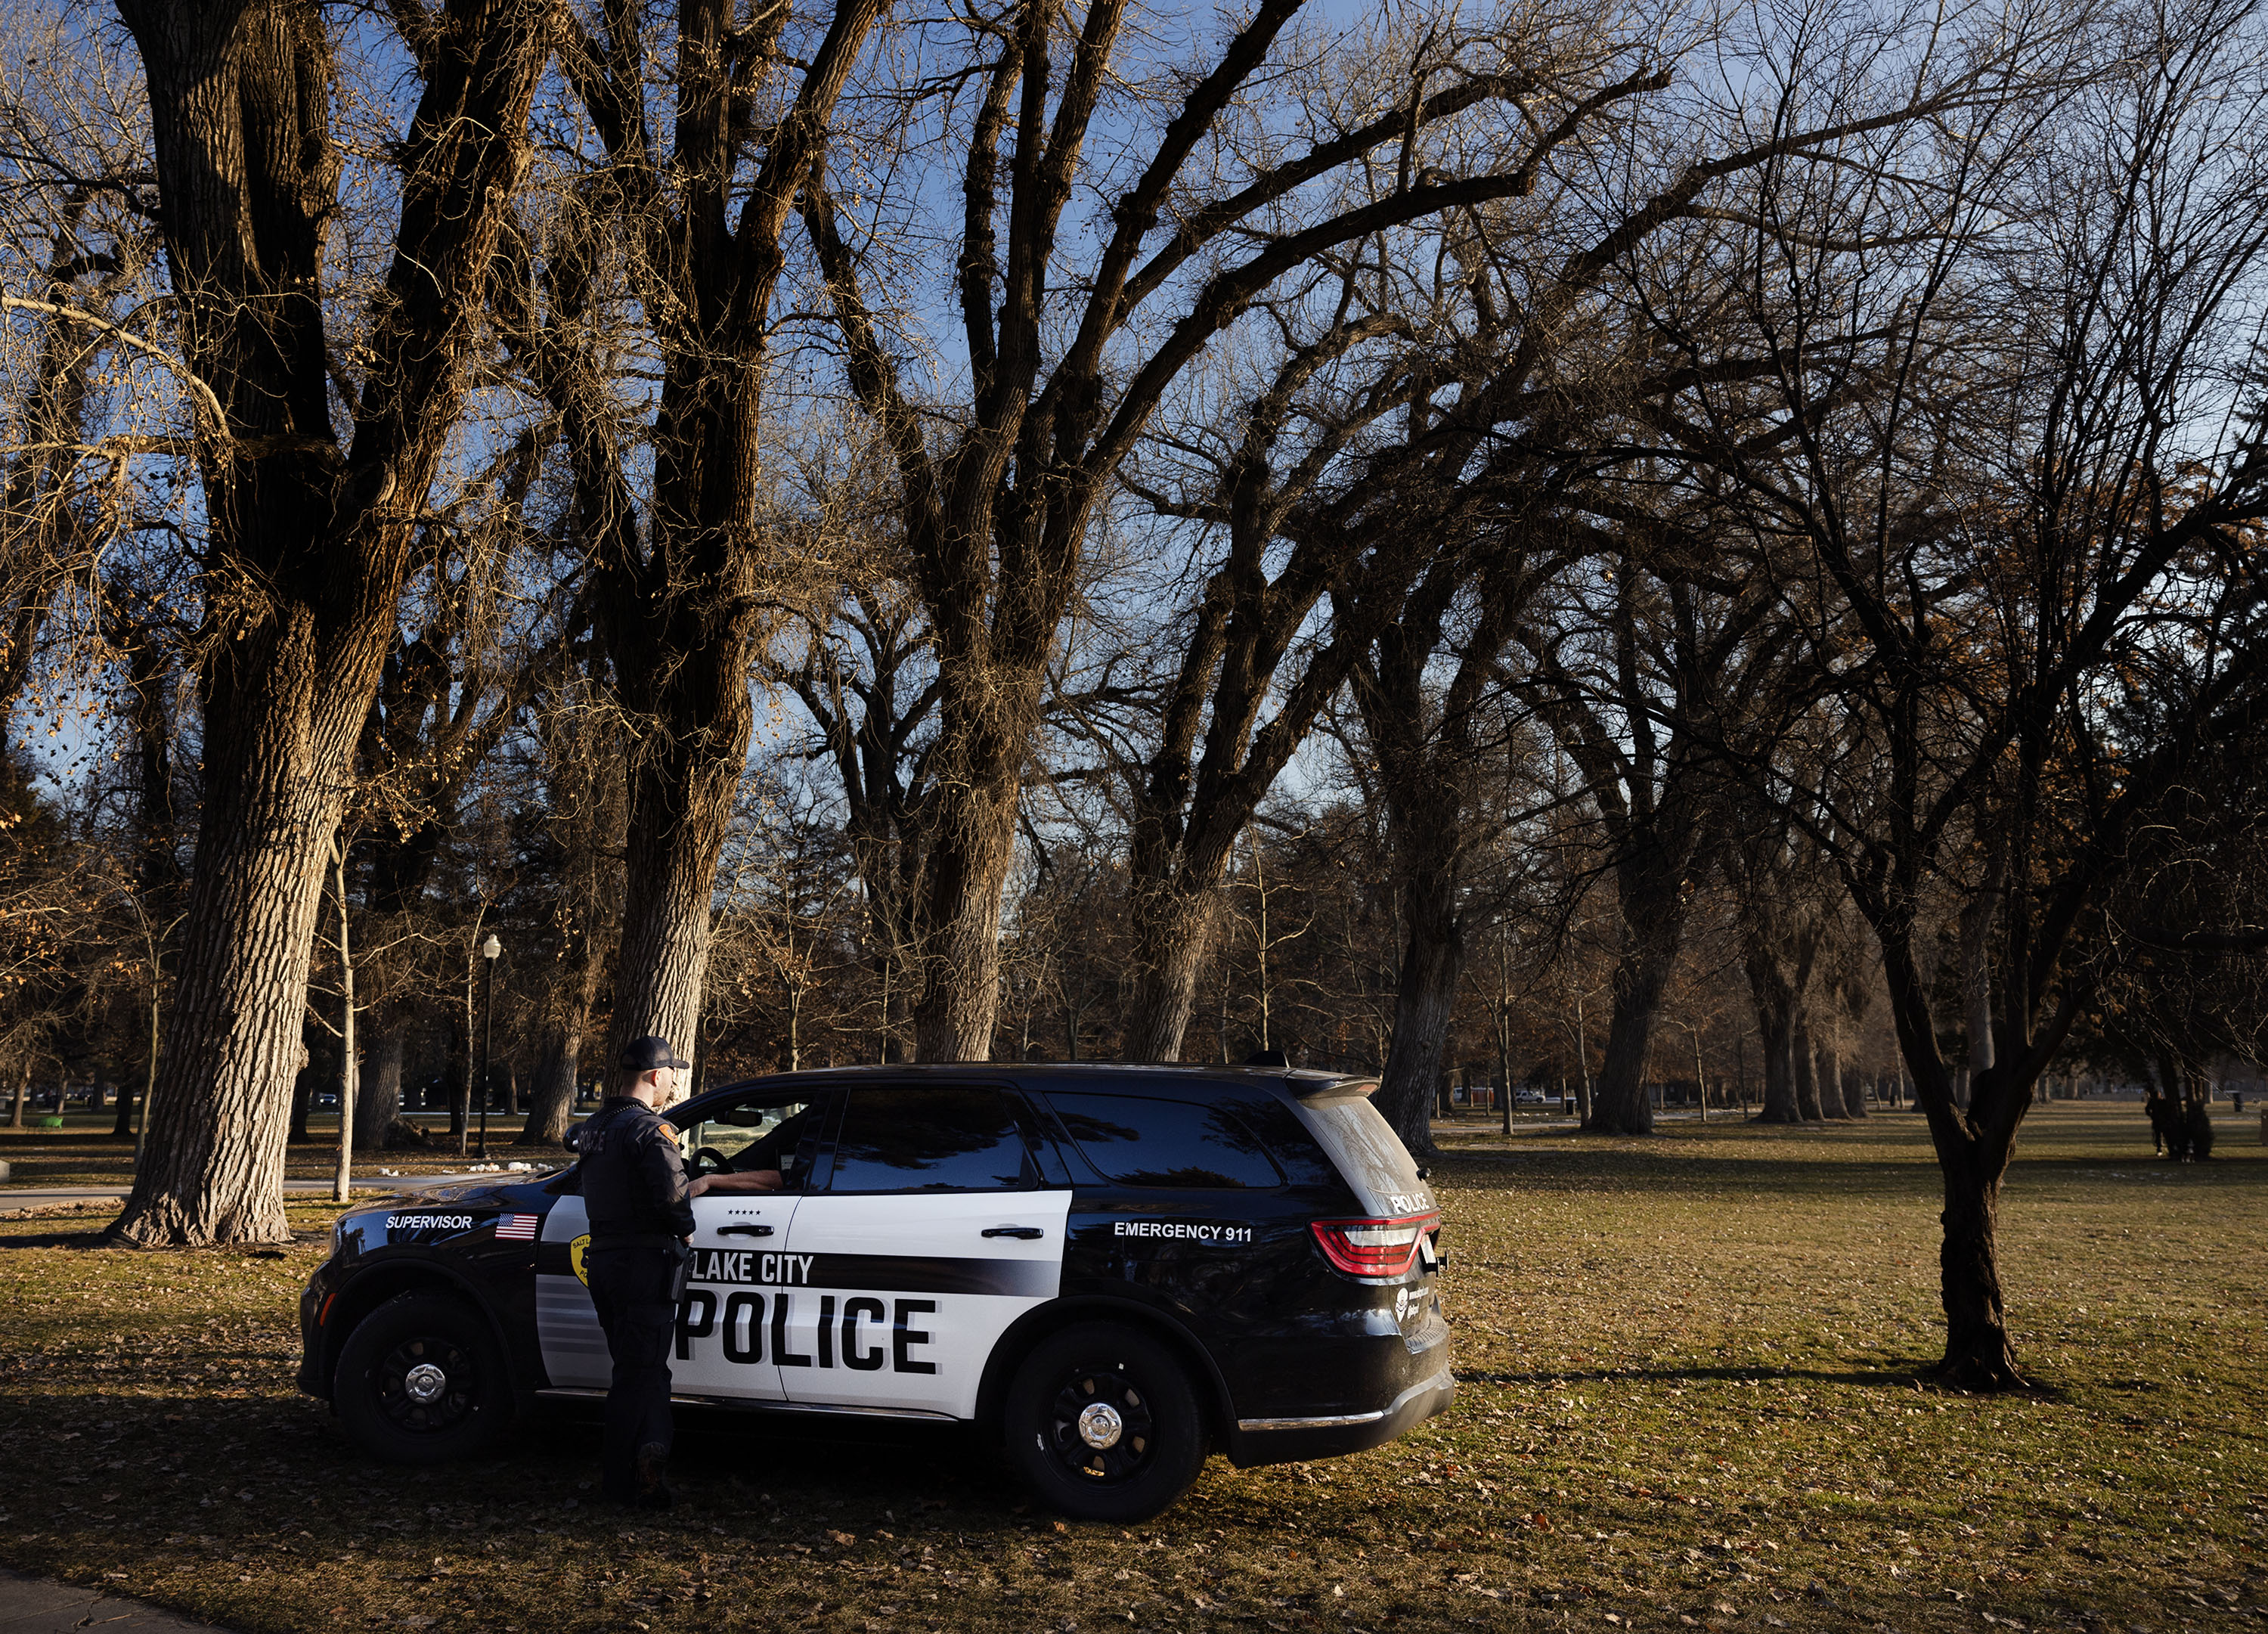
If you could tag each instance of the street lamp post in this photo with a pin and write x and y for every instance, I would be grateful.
(489, 949)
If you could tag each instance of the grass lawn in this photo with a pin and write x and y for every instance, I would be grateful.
(1689, 1399)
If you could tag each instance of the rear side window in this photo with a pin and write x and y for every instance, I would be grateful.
(946, 1138)
(1138, 1142)
(1294, 1150)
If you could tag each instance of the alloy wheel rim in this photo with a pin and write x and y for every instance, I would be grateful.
(425, 1385)
(1102, 1427)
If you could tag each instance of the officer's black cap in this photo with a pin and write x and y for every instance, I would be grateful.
(643, 1055)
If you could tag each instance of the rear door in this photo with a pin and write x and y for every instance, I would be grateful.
(933, 1232)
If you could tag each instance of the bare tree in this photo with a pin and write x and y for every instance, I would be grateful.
(580, 768)
(2007, 538)
(684, 577)
(306, 530)
(1436, 746)
(1200, 221)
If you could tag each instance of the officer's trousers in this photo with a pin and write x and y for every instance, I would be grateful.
(635, 1291)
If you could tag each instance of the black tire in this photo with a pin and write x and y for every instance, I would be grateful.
(398, 1412)
(1156, 1428)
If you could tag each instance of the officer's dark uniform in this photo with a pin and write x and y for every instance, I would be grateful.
(635, 1190)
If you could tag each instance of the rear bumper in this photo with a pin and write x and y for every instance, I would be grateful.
(1285, 1440)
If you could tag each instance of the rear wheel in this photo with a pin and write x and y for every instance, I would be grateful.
(421, 1380)
(1104, 1425)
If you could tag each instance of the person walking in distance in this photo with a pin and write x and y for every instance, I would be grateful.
(641, 1211)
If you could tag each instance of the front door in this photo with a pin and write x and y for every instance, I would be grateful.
(932, 1236)
(725, 1322)
(732, 1321)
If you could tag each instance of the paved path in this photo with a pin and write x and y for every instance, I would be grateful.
(13, 1197)
(37, 1606)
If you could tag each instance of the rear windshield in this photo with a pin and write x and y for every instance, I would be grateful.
(1371, 1156)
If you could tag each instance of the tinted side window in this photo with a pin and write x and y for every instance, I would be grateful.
(1165, 1143)
(949, 1138)
(1303, 1162)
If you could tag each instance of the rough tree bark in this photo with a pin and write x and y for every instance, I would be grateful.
(1652, 898)
(1803, 1061)
(1827, 1076)
(307, 536)
(378, 1105)
(551, 1094)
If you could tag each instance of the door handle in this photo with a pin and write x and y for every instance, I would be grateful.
(744, 1231)
(1026, 1232)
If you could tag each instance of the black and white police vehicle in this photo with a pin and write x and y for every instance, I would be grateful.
(1115, 1270)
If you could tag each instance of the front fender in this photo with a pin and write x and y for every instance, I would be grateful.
(375, 1281)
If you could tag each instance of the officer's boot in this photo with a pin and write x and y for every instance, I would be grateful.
(653, 1490)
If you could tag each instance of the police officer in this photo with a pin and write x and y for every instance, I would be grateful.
(641, 1211)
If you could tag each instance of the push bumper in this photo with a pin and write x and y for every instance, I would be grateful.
(1256, 1441)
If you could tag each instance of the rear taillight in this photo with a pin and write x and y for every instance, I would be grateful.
(1375, 1247)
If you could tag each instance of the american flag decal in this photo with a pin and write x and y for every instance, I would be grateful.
(517, 1227)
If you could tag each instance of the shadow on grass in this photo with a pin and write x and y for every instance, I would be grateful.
(99, 1237)
(1915, 1375)
(1766, 1172)
(1904, 1375)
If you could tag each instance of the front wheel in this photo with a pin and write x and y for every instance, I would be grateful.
(1104, 1425)
(421, 1380)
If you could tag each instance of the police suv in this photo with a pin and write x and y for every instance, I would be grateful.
(1113, 1268)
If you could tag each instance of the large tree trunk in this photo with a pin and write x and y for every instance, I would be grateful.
(682, 782)
(988, 710)
(1433, 960)
(1174, 928)
(1653, 925)
(1978, 1353)
(551, 1096)
(378, 1100)
(1828, 1078)
(219, 1116)
(1406, 1092)
(1854, 1092)
(1776, 1037)
(961, 959)
(1805, 1063)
